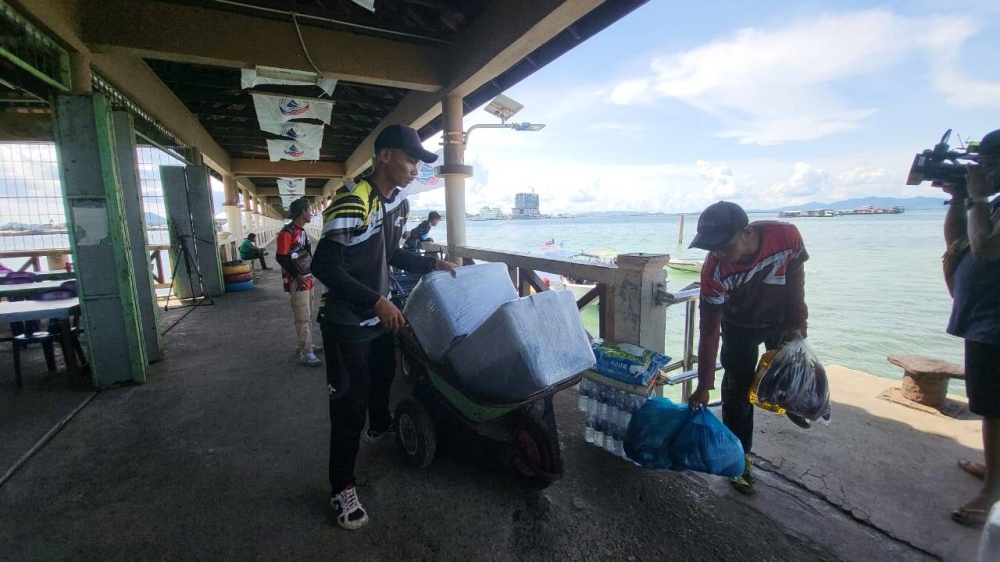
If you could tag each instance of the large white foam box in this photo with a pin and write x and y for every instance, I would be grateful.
(441, 307)
(526, 345)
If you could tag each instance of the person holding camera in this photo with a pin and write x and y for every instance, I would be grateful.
(293, 253)
(972, 270)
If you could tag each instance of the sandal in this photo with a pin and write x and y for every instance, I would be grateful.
(969, 517)
(976, 469)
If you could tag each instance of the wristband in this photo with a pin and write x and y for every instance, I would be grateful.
(970, 201)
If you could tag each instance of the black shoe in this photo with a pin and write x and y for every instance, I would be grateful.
(799, 420)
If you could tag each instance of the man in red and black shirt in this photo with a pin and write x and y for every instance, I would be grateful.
(292, 253)
(753, 292)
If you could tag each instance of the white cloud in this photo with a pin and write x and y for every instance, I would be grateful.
(722, 184)
(770, 86)
(622, 129)
(806, 181)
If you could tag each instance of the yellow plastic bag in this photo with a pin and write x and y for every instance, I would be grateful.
(762, 365)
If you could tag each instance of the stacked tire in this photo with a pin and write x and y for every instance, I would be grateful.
(237, 277)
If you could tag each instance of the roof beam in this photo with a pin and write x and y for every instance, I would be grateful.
(286, 169)
(273, 192)
(506, 32)
(135, 79)
(192, 34)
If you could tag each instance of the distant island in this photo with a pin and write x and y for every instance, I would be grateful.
(910, 203)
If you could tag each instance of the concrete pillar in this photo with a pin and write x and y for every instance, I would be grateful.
(135, 220)
(230, 204)
(187, 195)
(247, 213)
(102, 254)
(454, 170)
(81, 79)
(638, 319)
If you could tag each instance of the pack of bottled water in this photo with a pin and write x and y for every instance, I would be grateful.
(608, 411)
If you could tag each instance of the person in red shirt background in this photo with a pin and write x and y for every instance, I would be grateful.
(292, 247)
(753, 292)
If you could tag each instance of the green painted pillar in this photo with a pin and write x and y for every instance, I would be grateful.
(188, 198)
(135, 216)
(99, 240)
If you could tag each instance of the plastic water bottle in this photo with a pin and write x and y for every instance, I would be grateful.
(590, 420)
(602, 402)
(622, 423)
(592, 396)
(584, 395)
(598, 431)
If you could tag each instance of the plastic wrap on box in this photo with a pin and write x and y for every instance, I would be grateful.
(441, 308)
(527, 345)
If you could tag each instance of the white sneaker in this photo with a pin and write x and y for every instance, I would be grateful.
(351, 515)
(310, 360)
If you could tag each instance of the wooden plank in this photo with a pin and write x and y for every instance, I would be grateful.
(599, 273)
(590, 297)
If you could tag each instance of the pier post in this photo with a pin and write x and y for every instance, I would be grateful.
(454, 170)
(99, 239)
(135, 220)
(638, 318)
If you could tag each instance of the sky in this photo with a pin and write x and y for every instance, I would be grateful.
(669, 110)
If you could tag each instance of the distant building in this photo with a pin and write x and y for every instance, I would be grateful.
(525, 206)
(489, 214)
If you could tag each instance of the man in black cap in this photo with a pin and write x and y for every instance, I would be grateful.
(293, 253)
(753, 290)
(360, 240)
(421, 233)
(972, 232)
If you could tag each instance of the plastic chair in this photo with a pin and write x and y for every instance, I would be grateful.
(20, 278)
(45, 338)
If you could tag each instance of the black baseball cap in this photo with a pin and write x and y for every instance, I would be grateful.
(718, 224)
(296, 208)
(404, 138)
(990, 145)
(433, 215)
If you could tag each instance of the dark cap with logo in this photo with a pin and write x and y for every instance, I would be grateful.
(404, 138)
(718, 224)
(296, 208)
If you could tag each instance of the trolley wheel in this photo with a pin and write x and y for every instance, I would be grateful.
(415, 436)
(530, 453)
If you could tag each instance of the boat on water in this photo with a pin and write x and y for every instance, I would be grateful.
(694, 266)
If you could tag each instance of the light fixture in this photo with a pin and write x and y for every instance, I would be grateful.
(504, 108)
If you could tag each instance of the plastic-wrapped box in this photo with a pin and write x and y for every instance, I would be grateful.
(441, 308)
(527, 345)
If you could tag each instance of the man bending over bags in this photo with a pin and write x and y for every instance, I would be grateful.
(753, 289)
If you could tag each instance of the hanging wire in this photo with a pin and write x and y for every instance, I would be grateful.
(305, 50)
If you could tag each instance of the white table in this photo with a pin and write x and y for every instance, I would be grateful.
(28, 289)
(64, 309)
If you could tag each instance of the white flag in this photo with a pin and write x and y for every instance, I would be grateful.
(275, 108)
(292, 186)
(290, 150)
(249, 78)
(306, 133)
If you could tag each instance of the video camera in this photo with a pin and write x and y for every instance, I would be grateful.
(940, 165)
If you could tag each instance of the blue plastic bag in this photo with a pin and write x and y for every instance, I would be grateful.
(667, 435)
(652, 429)
(704, 444)
(627, 363)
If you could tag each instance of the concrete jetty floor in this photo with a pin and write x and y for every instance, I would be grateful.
(222, 455)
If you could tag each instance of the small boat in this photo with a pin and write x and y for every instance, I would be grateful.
(694, 266)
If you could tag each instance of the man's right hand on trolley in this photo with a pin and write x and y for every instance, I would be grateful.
(389, 315)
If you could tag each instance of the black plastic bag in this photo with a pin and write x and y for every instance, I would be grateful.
(796, 381)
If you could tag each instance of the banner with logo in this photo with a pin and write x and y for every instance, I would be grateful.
(249, 78)
(292, 186)
(306, 133)
(281, 109)
(427, 179)
(290, 150)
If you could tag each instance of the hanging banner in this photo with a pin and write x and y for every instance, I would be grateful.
(250, 78)
(290, 150)
(426, 180)
(366, 4)
(306, 133)
(292, 186)
(275, 108)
